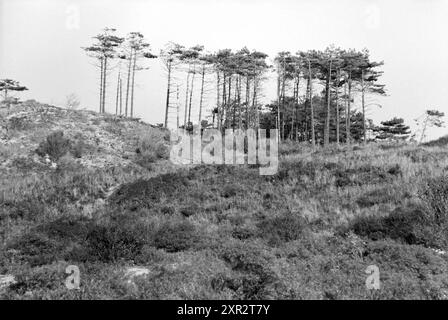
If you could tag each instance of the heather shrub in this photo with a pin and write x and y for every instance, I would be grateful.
(151, 146)
(36, 249)
(55, 146)
(377, 196)
(42, 279)
(190, 210)
(77, 149)
(280, 229)
(118, 240)
(174, 236)
(409, 225)
(434, 194)
(255, 280)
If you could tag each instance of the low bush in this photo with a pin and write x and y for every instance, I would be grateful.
(55, 146)
(42, 279)
(280, 229)
(256, 280)
(174, 236)
(145, 193)
(408, 225)
(37, 249)
(366, 174)
(190, 210)
(434, 194)
(377, 196)
(116, 241)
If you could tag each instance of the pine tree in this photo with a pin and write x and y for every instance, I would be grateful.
(393, 129)
(104, 49)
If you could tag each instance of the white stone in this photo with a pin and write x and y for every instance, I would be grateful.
(6, 281)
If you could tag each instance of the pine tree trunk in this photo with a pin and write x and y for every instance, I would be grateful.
(191, 94)
(283, 102)
(101, 86)
(128, 82)
(327, 119)
(240, 115)
(364, 129)
(118, 94)
(201, 97)
(177, 107)
(168, 94)
(247, 100)
(186, 98)
(337, 106)
(254, 102)
(313, 136)
(121, 96)
(348, 107)
(133, 84)
(218, 104)
(104, 86)
(278, 108)
(224, 102)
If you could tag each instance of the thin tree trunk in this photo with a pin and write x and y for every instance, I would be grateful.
(177, 107)
(254, 102)
(283, 101)
(313, 136)
(364, 129)
(234, 105)
(201, 97)
(104, 85)
(133, 84)
(191, 94)
(121, 96)
(168, 94)
(337, 106)
(278, 108)
(247, 100)
(118, 94)
(425, 123)
(348, 107)
(218, 95)
(101, 86)
(327, 119)
(128, 82)
(240, 120)
(186, 98)
(224, 102)
(296, 100)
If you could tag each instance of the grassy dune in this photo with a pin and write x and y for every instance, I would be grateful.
(225, 232)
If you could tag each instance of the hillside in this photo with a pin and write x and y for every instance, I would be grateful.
(138, 227)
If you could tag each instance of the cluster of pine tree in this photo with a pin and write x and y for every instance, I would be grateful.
(322, 96)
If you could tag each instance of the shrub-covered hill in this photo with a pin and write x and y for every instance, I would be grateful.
(225, 232)
(96, 140)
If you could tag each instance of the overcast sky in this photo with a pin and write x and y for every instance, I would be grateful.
(40, 43)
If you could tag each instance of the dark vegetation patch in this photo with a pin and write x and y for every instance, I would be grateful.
(256, 279)
(280, 229)
(382, 195)
(146, 193)
(56, 146)
(408, 271)
(366, 174)
(174, 236)
(189, 190)
(410, 225)
(440, 142)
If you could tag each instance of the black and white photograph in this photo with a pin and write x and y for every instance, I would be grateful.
(243, 151)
